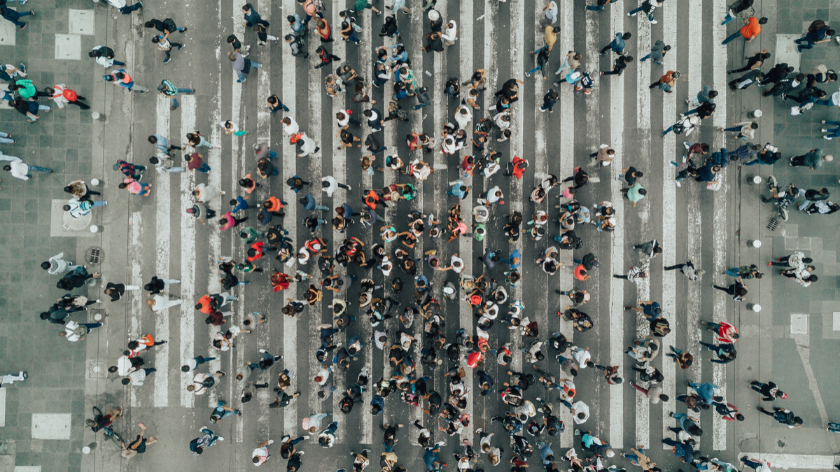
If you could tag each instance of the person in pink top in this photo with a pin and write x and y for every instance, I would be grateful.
(228, 221)
(136, 187)
(248, 184)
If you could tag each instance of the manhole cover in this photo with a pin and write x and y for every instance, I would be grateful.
(94, 255)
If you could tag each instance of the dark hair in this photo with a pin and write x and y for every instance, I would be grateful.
(713, 94)
(247, 7)
(763, 21)
(125, 381)
(46, 265)
(185, 368)
(626, 36)
(642, 191)
(666, 48)
(45, 315)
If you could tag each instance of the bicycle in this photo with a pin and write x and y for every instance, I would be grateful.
(108, 432)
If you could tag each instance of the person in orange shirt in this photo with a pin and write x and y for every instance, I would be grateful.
(751, 28)
(205, 305)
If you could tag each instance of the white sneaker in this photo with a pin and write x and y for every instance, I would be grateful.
(270, 442)
(678, 184)
(220, 438)
(824, 130)
(262, 350)
(654, 22)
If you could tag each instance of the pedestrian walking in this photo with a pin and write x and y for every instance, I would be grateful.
(19, 169)
(14, 16)
(813, 159)
(617, 44)
(751, 29)
(168, 89)
(657, 52)
(201, 443)
(647, 6)
(121, 78)
(62, 96)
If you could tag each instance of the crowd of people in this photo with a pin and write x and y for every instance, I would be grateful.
(530, 422)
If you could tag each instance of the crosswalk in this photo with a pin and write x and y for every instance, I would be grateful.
(496, 36)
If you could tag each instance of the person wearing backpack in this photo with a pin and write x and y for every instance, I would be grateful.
(199, 444)
(166, 27)
(62, 95)
(168, 89)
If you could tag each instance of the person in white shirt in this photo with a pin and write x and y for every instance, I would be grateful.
(421, 170)
(260, 454)
(463, 115)
(79, 208)
(491, 196)
(580, 411)
(124, 8)
(330, 185)
(11, 378)
(290, 126)
(57, 265)
(19, 169)
(307, 145)
(450, 34)
(74, 331)
(582, 356)
(137, 377)
(161, 302)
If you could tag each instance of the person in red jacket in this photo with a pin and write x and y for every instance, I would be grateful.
(256, 251)
(517, 167)
(280, 281)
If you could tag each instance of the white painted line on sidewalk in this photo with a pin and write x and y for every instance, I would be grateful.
(162, 229)
(624, 213)
(719, 59)
(517, 148)
(794, 461)
(642, 212)
(339, 159)
(366, 60)
(135, 256)
(188, 315)
(694, 236)
(413, 45)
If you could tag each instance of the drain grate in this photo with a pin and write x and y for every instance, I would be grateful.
(94, 255)
(773, 224)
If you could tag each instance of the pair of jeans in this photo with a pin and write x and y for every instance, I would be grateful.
(167, 53)
(732, 37)
(213, 436)
(5, 138)
(126, 10)
(255, 65)
(180, 90)
(222, 413)
(750, 463)
(204, 168)
(595, 7)
(40, 108)
(13, 16)
(39, 169)
(353, 37)
(635, 11)
(729, 17)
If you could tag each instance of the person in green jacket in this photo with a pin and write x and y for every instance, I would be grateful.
(360, 5)
(813, 159)
(634, 193)
(26, 89)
